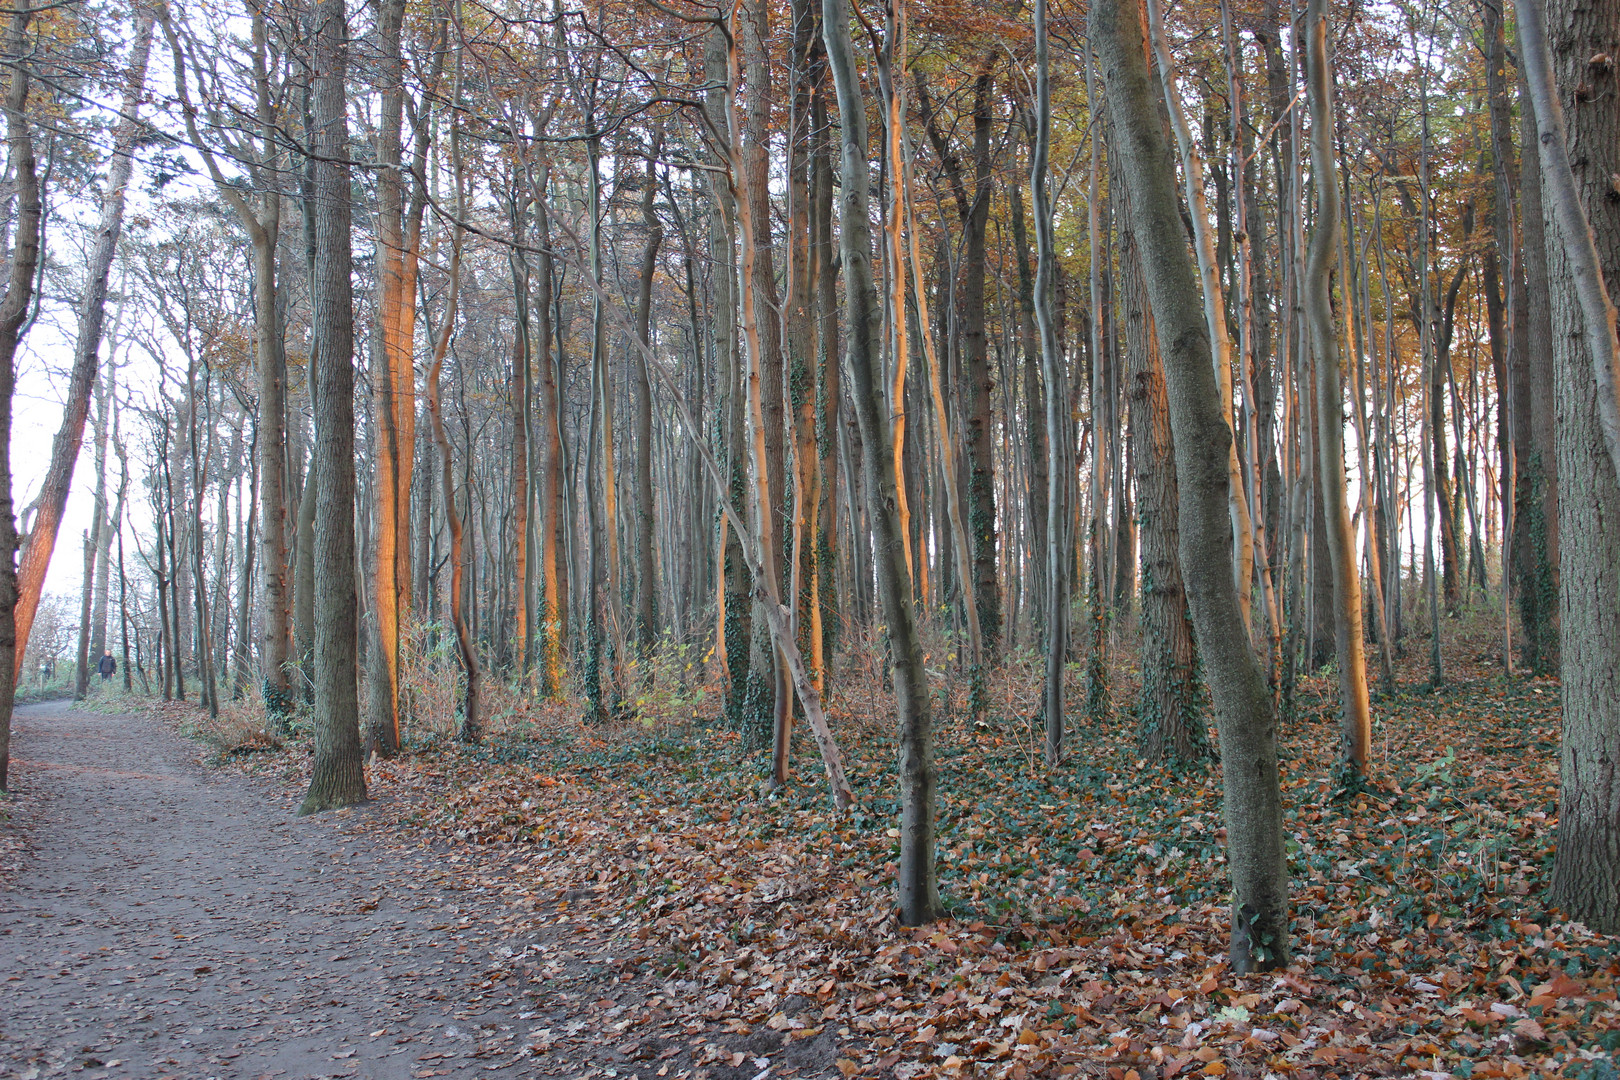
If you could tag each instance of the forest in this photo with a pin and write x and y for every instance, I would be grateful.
(1112, 487)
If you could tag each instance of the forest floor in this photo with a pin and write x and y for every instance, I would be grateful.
(629, 901)
(162, 919)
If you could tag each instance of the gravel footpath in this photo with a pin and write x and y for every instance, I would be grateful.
(171, 921)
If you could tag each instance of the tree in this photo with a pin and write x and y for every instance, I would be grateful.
(14, 306)
(1584, 261)
(1355, 708)
(338, 778)
(36, 552)
(918, 885)
(1242, 701)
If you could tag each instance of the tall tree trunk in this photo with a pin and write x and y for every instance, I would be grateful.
(553, 551)
(975, 359)
(14, 307)
(769, 698)
(81, 666)
(520, 391)
(1059, 428)
(394, 377)
(829, 369)
(1575, 78)
(1434, 501)
(735, 613)
(53, 495)
(337, 779)
(471, 717)
(918, 885)
(646, 622)
(800, 338)
(1253, 799)
(1209, 274)
(1170, 723)
(1034, 407)
(1355, 718)
(104, 532)
(1537, 512)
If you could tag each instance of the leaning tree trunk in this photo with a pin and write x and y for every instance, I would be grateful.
(338, 778)
(918, 886)
(1583, 249)
(1253, 798)
(14, 307)
(53, 495)
(1356, 709)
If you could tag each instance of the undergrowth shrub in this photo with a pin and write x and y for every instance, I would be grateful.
(240, 728)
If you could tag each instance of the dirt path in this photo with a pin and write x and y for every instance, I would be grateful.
(172, 922)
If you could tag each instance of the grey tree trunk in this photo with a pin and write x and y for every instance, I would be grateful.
(14, 306)
(1243, 709)
(918, 886)
(338, 779)
(1586, 875)
(81, 666)
(1355, 708)
(104, 532)
(768, 698)
(1059, 429)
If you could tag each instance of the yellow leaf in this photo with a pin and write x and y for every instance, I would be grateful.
(1215, 1068)
(847, 1067)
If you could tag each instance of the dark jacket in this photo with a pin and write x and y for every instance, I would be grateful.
(108, 665)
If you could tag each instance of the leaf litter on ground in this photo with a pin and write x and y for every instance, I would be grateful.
(747, 932)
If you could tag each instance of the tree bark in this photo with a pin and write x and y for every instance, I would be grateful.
(1253, 799)
(646, 622)
(394, 375)
(1583, 232)
(81, 654)
(918, 886)
(338, 778)
(53, 495)
(1170, 723)
(1059, 427)
(14, 307)
(1538, 548)
(553, 550)
(1355, 718)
